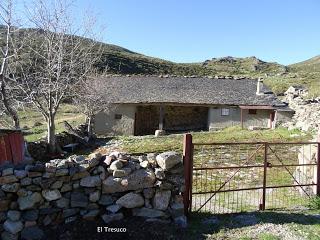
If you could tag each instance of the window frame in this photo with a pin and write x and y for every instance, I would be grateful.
(252, 111)
(225, 112)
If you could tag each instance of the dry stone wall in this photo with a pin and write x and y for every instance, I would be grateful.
(109, 187)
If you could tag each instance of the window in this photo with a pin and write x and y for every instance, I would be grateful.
(225, 112)
(252, 111)
(117, 116)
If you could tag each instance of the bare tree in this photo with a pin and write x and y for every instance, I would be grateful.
(9, 50)
(91, 98)
(59, 55)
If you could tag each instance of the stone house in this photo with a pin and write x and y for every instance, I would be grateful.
(144, 104)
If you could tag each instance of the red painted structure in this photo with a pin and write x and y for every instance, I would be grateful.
(11, 146)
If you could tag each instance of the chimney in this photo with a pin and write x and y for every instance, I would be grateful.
(259, 87)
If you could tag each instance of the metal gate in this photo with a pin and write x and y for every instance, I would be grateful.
(249, 176)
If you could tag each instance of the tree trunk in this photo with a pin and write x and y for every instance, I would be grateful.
(52, 141)
(10, 111)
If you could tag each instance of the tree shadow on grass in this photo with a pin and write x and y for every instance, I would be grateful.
(202, 224)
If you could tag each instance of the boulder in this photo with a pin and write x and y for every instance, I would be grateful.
(113, 208)
(30, 215)
(116, 165)
(147, 213)
(161, 199)
(8, 179)
(90, 181)
(139, 179)
(168, 160)
(94, 196)
(13, 227)
(63, 203)
(29, 201)
(51, 195)
(20, 173)
(148, 192)
(159, 172)
(131, 200)
(32, 233)
(14, 187)
(13, 215)
(7, 171)
(79, 199)
(121, 172)
(9, 236)
(107, 218)
(105, 200)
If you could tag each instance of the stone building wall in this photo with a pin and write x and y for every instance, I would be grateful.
(64, 190)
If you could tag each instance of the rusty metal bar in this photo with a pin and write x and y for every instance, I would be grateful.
(255, 166)
(318, 168)
(262, 206)
(251, 143)
(256, 188)
(187, 162)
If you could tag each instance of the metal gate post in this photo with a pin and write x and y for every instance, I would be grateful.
(188, 165)
(318, 164)
(262, 206)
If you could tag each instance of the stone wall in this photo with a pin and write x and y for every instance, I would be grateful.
(109, 187)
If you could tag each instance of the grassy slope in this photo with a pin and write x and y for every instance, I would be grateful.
(133, 144)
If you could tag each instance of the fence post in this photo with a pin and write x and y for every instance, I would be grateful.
(262, 206)
(187, 163)
(318, 164)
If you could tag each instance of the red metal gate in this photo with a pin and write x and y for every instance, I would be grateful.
(249, 176)
(11, 146)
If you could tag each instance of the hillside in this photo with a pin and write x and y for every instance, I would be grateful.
(120, 60)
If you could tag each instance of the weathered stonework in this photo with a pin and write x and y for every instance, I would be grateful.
(61, 190)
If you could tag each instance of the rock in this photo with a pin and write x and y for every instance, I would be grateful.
(161, 199)
(56, 185)
(159, 133)
(147, 213)
(168, 160)
(107, 218)
(62, 172)
(79, 199)
(176, 209)
(90, 181)
(181, 221)
(70, 212)
(139, 179)
(20, 173)
(51, 195)
(29, 201)
(32, 233)
(105, 200)
(30, 224)
(77, 159)
(26, 181)
(66, 188)
(95, 155)
(30, 215)
(80, 175)
(13, 215)
(113, 208)
(148, 192)
(116, 165)
(7, 171)
(13, 227)
(63, 203)
(4, 205)
(91, 214)
(159, 172)
(94, 196)
(14, 187)
(144, 164)
(9, 236)
(131, 200)
(34, 174)
(8, 179)
(121, 172)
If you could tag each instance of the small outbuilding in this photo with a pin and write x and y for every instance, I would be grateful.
(144, 104)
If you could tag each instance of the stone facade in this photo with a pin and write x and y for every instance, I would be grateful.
(64, 190)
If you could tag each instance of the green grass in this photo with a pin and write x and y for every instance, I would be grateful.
(35, 124)
(147, 144)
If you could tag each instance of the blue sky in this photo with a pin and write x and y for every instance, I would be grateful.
(286, 31)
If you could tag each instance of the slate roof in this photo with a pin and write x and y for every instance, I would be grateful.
(186, 90)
